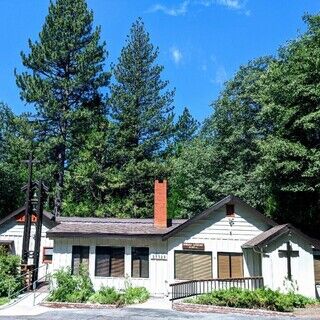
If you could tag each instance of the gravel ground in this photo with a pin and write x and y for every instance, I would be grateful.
(133, 314)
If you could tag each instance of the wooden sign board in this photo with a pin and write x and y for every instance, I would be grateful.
(193, 246)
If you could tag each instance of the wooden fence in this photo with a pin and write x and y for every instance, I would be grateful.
(191, 288)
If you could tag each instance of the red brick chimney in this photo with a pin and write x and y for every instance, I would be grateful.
(160, 204)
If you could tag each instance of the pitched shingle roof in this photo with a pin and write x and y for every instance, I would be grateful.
(272, 234)
(76, 226)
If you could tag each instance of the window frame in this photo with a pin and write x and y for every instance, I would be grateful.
(43, 255)
(230, 254)
(140, 277)
(110, 270)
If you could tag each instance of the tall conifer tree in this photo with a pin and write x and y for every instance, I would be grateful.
(142, 124)
(65, 73)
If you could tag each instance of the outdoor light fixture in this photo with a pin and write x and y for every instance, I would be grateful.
(34, 200)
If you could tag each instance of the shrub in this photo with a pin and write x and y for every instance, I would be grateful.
(9, 273)
(71, 288)
(106, 295)
(135, 295)
(260, 298)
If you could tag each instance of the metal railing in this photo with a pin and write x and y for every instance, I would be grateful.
(191, 288)
(13, 293)
(45, 279)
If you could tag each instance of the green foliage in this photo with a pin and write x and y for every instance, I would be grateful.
(65, 74)
(71, 288)
(106, 295)
(10, 282)
(141, 128)
(257, 299)
(4, 300)
(134, 295)
(14, 147)
(78, 288)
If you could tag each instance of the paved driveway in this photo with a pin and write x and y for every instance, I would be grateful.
(132, 314)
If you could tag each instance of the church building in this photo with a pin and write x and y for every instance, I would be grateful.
(229, 240)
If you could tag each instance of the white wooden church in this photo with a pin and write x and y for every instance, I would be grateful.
(229, 240)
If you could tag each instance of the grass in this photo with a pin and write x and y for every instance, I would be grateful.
(258, 299)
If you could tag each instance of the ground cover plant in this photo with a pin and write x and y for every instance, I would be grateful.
(79, 288)
(259, 299)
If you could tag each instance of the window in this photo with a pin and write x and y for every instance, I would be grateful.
(47, 255)
(230, 210)
(109, 262)
(80, 255)
(140, 262)
(189, 265)
(7, 245)
(230, 265)
(316, 260)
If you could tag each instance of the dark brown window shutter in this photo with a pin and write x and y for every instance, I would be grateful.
(316, 260)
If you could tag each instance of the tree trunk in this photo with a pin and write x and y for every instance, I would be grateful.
(59, 179)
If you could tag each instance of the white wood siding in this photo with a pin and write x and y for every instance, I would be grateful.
(219, 235)
(156, 283)
(13, 230)
(274, 267)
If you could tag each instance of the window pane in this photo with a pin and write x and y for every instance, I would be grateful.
(102, 262)
(48, 251)
(140, 262)
(80, 255)
(117, 262)
(109, 262)
(236, 265)
(47, 255)
(223, 265)
(193, 265)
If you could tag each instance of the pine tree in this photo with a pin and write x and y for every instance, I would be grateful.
(142, 124)
(15, 145)
(186, 127)
(65, 75)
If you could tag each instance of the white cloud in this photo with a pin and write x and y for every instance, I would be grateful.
(171, 11)
(231, 4)
(184, 6)
(221, 76)
(176, 55)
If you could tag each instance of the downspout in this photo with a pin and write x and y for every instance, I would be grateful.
(261, 253)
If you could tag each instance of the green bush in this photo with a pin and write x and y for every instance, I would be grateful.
(106, 295)
(71, 288)
(258, 299)
(135, 295)
(9, 273)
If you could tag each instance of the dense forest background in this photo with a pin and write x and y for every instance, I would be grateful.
(103, 136)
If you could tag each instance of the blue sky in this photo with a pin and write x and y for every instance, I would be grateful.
(202, 42)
